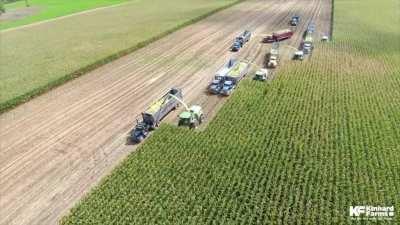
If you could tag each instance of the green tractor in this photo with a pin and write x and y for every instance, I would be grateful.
(192, 118)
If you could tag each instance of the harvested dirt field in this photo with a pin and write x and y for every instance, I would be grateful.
(56, 147)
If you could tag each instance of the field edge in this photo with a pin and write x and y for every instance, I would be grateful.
(19, 100)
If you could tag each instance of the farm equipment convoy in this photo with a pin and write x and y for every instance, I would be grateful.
(152, 117)
(233, 77)
(273, 56)
(241, 40)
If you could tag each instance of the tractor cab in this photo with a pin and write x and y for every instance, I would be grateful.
(185, 118)
(227, 87)
(261, 75)
(236, 46)
(140, 132)
(191, 118)
(294, 21)
(298, 55)
(215, 86)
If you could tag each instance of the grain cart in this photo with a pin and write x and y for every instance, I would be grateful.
(310, 28)
(216, 85)
(308, 44)
(233, 77)
(159, 109)
(246, 36)
(273, 56)
(155, 113)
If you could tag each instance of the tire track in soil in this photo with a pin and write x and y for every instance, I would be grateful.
(190, 45)
(77, 132)
(210, 103)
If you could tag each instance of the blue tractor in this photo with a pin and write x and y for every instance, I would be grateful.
(241, 40)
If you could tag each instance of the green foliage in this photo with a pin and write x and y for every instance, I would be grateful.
(49, 9)
(301, 149)
(2, 9)
(22, 58)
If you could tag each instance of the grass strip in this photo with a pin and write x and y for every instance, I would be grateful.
(332, 19)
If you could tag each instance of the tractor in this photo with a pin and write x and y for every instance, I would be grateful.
(192, 118)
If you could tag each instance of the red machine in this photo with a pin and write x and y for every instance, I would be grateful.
(278, 36)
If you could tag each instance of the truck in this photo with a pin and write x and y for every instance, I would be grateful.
(261, 75)
(155, 113)
(245, 36)
(217, 83)
(233, 77)
(278, 36)
(273, 56)
(294, 21)
(140, 132)
(192, 117)
(310, 28)
(307, 44)
(241, 40)
(237, 44)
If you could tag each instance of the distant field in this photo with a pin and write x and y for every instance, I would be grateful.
(36, 57)
(49, 9)
(323, 136)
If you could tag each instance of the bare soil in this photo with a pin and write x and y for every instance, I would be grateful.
(56, 147)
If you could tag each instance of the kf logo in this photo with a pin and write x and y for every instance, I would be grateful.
(357, 210)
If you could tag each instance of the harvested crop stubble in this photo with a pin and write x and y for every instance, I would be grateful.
(37, 58)
(300, 150)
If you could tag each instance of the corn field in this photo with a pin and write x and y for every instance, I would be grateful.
(322, 136)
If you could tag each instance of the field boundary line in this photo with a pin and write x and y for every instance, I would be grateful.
(18, 100)
(332, 18)
(65, 16)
